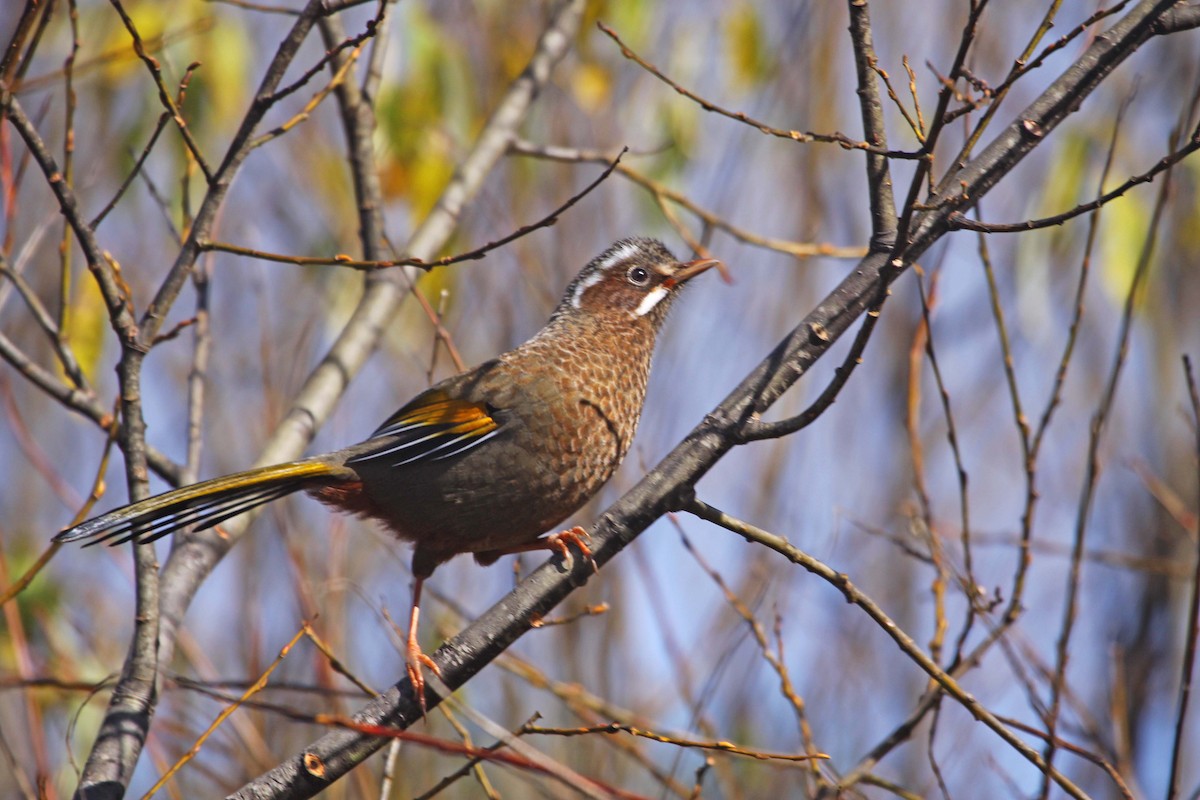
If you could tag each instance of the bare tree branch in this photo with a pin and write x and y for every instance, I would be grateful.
(668, 486)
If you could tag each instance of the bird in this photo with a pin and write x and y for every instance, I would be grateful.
(486, 461)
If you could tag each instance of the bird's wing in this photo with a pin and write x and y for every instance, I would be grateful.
(433, 427)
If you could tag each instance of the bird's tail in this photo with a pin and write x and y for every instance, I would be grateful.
(202, 504)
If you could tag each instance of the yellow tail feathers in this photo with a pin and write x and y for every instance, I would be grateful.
(202, 504)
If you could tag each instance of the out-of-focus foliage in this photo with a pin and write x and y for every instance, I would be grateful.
(671, 653)
(750, 54)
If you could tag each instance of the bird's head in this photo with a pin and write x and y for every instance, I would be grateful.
(635, 279)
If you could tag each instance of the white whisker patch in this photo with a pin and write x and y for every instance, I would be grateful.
(584, 285)
(653, 298)
(620, 254)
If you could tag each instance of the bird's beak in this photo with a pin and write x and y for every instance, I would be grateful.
(690, 269)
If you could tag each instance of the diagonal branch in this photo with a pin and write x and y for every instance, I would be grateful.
(669, 485)
(164, 94)
(111, 289)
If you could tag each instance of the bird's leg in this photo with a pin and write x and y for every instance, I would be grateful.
(414, 657)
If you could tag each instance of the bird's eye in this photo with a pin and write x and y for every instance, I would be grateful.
(638, 276)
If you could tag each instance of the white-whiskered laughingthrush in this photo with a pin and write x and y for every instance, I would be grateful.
(483, 462)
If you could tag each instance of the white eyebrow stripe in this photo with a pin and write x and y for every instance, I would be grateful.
(621, 253)
(652, 299)
(584, 285)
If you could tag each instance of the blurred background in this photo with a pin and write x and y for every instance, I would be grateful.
(669, 652)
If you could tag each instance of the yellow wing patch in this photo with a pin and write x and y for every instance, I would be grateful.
(433, 427)
(435, 408)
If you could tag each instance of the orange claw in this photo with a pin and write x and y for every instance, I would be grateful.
(576, 536)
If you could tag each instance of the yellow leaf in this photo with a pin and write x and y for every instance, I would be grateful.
(591, 85)
(86, 327)
(1123, 230)
(746, 45)
(219, 92)
(424, 114)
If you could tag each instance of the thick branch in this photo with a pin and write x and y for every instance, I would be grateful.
(879, 177)
(669, 485)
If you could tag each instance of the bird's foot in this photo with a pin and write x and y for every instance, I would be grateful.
(576, 536)
(414, 659)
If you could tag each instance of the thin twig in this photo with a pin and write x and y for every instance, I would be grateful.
(111, 288)
(164, 95)
(996, 97)
(910, 648)
(50, 327)
(969, 585)
(675, 739)
(1032, 449)
(254, 689)
(661, 192)
(938, 123)
(1193, 622)
(840, 139)
(414, 261)
(755, 429)
(960, 222)
(1113, 773)
(331, 56)
(1097, 429)
(303, 114)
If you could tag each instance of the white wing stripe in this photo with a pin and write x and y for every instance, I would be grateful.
(468, 445)
(397, 428)
(464, 442)
(401, 446)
